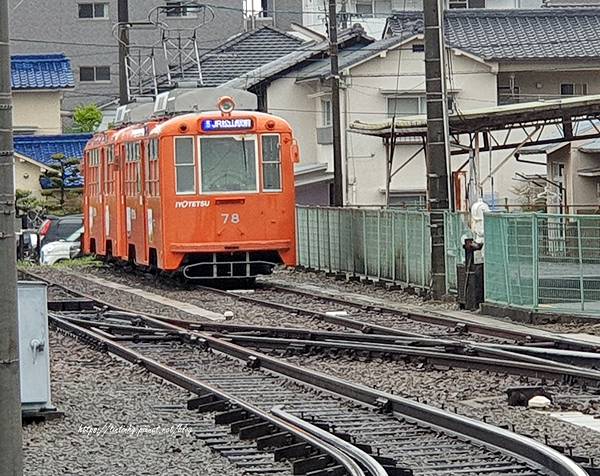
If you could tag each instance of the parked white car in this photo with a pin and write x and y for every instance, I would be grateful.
(56, 251)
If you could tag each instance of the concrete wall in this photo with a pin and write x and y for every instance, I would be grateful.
(27, 177)
(291, 101)
(581, 192)
(54, 26)
(313, 194)
(38, 111)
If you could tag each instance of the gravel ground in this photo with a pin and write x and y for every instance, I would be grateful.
(293, 276)
(94, 390)
(476, 394)
(243, 313)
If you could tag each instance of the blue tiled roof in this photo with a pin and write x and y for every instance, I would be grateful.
(42, 148)
(50, 71)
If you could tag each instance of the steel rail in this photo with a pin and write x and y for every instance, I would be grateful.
(432, 317)
(197, 386)
(511, 363)
(373, 467)
(488, 435)
(487, 358)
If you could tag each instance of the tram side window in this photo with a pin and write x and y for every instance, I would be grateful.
(138, 171)
(271, 163)
(185, 165)
(152, 177)
(109, 170)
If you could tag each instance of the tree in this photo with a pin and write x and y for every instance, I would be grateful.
(530, 196)
(63, 172)
(87, 117)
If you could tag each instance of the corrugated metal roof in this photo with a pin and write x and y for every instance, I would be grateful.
(49, 71)
(544, 33)
(42, 148)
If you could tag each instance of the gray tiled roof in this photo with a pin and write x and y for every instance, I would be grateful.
(246, 52)
(348, 40)
(348, 58)
(545, 33)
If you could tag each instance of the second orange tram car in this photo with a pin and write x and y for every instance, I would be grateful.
(209, 194)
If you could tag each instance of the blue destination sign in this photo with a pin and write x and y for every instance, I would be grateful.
(226, 124)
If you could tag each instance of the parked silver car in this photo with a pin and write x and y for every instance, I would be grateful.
(61, 250)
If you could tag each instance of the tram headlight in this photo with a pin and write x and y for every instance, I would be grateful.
(226, 104)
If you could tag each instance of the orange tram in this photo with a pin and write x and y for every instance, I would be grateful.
(208, 193)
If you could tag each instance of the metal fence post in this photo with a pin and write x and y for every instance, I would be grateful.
(379, 243)
(308, 236)
(340, 267)
(365, 252)
(318, 239)
(393, 247)
(424, 227)
(352, 234)
(407, 267)
(328, 211)
(504, 238)
(580, 255)
(535, 260)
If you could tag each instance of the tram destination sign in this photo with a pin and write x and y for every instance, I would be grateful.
(226, 124)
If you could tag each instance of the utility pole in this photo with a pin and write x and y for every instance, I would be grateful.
(437, 151)
(123, 19)
(338, 188)
(11, 453)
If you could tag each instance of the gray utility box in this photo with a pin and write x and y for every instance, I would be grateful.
(34, 352)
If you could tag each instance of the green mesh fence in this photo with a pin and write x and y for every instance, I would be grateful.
(543, 262)
(385, 244)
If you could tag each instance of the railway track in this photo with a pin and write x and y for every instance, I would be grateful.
(259, 386)
(370, 340)
(273, 405)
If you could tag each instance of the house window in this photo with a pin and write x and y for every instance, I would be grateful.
(418, 48)
(573, 89)
(466, 3)
(364, 8)
(93, 10)
(91, 74)
(412, 105)
(176, 9)
(326, 112)
(406, 106)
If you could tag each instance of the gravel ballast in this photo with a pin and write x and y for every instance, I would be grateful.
(118, 420)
